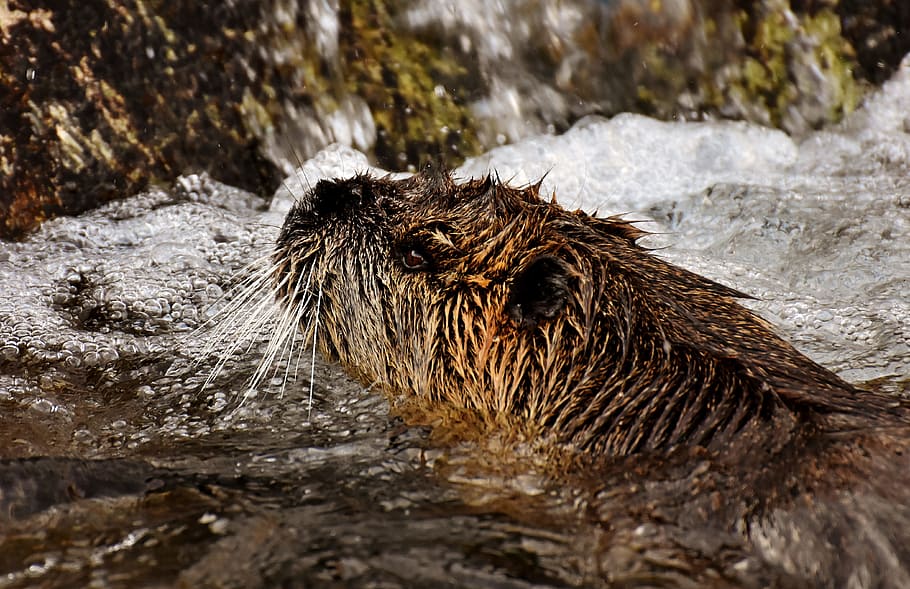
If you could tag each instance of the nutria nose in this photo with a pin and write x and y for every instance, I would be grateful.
(339, 197)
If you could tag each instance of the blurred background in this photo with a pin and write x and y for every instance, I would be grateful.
(99, 99)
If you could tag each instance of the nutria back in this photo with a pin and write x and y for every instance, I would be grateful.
(485, 299)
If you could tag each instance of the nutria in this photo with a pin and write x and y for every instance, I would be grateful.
(490, 300)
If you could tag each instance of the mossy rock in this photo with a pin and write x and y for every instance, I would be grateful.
(99, 99)
(418, 93)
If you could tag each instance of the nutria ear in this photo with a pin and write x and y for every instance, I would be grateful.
(539, 292)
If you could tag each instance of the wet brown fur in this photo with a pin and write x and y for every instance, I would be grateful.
(532, 315)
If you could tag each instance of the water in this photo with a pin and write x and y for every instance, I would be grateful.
(103, 356)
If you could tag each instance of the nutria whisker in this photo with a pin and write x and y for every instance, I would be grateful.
(281, 344)
(313, 354)
(249, 278)
(292, 327)
(249, 307)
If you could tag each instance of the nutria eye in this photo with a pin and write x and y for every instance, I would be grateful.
(414, 258)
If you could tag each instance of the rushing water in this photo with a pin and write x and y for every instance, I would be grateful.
(104, 351)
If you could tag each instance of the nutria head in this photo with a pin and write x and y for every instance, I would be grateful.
(486, 297)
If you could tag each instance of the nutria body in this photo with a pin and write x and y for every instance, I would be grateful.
(487, 299)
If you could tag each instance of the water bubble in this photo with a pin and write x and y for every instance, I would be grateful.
(151, 308)
(74, 347)
(108, 355)
(43, 406)
(114, 277)
(60, 297)
(213, 291)
(72, 362)
(145, 391)
(9, 351)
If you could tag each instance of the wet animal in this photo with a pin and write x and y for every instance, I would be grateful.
(490, 300)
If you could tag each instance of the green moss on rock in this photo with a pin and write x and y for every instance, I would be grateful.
(759, 61)
(99, 99)
(416, 93)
